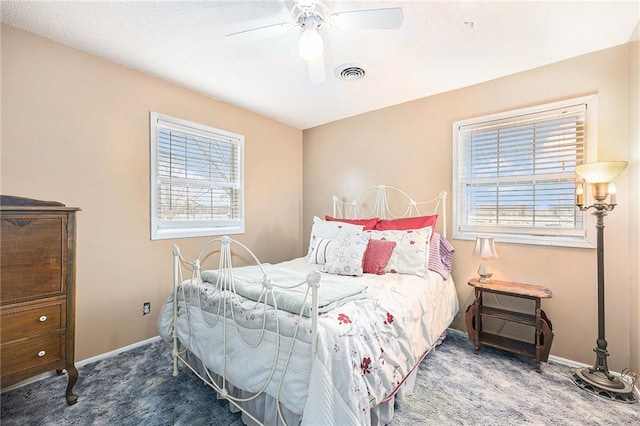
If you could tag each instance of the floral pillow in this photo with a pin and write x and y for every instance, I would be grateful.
(345, 254)
(411, 254)
(376, 256)
(323, 229)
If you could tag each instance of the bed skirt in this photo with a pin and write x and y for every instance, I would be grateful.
(264, 407)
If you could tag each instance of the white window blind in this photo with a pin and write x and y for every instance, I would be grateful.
(197, 179)
(516, 175)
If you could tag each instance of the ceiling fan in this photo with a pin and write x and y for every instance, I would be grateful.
(309, 16)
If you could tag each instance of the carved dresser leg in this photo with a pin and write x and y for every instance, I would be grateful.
(73, 378)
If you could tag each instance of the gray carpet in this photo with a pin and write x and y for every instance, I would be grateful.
(454, 387)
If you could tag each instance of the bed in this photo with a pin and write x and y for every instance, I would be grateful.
(333, 337)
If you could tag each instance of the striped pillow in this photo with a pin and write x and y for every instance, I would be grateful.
(440, 255)
(318, 253)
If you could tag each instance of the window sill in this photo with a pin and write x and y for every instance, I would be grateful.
(531, 240)
(166, 234)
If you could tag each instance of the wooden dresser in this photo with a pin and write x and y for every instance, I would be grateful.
(37, 290)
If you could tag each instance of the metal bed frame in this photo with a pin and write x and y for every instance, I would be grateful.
(226, 287)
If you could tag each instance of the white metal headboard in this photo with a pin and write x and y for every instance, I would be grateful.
(353, 209)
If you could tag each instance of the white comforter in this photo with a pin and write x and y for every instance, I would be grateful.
(365, 347)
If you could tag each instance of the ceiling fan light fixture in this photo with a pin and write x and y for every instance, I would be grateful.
(310, 45)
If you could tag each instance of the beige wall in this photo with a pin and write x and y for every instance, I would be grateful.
(75, 129)
(409, 146)
(634, 195)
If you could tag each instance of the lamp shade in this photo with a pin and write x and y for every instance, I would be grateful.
(485, 248)
(602, 172)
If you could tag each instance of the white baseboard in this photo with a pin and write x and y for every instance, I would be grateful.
(567, 362)
(116, 351)
(83, 362)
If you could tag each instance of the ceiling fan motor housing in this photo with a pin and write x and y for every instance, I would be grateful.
(308, 13)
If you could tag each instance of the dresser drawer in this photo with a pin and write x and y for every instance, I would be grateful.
(32, 320)
(34, 256)
(46, 352)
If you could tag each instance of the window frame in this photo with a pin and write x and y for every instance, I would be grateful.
(163, 229)
(586, 237)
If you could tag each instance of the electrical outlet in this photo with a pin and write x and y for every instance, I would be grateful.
(146, 308)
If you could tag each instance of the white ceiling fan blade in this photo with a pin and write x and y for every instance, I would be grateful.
(316, 70)
(260, 33)
(371, 19)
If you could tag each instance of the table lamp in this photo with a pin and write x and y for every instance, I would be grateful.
(485, 249)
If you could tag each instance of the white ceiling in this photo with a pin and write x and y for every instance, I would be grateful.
(435, 50)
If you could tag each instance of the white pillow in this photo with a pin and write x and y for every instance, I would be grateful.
(323, 229)
(318, 253)
(345, 253)
(411, 254)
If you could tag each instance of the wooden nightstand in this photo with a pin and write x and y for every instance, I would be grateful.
(541, 345)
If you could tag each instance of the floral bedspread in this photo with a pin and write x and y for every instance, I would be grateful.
(365, 348)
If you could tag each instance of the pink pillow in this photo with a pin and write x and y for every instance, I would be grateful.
(369, 224)
(376, 256)
(406, 223)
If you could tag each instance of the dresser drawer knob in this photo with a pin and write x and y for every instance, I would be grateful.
(43, 318)
(41, 353)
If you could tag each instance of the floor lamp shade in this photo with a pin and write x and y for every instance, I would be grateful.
(602, 172)
(599, 175)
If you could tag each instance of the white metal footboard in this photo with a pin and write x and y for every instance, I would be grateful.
(225, 289)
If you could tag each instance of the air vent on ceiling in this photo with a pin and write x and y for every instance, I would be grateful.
(350, 72)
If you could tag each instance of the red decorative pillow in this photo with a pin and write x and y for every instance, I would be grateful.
(376, 256)
(369, 224)
(406, 223)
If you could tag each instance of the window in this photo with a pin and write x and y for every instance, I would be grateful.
(514, 174)
(197, 179)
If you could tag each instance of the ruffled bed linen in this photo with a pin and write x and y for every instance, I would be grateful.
(264, 407)
(366, 348)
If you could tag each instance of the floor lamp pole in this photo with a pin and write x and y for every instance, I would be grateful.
(598, 379)
(601, 349)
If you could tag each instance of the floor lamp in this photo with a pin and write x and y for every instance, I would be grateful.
(598, 379)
